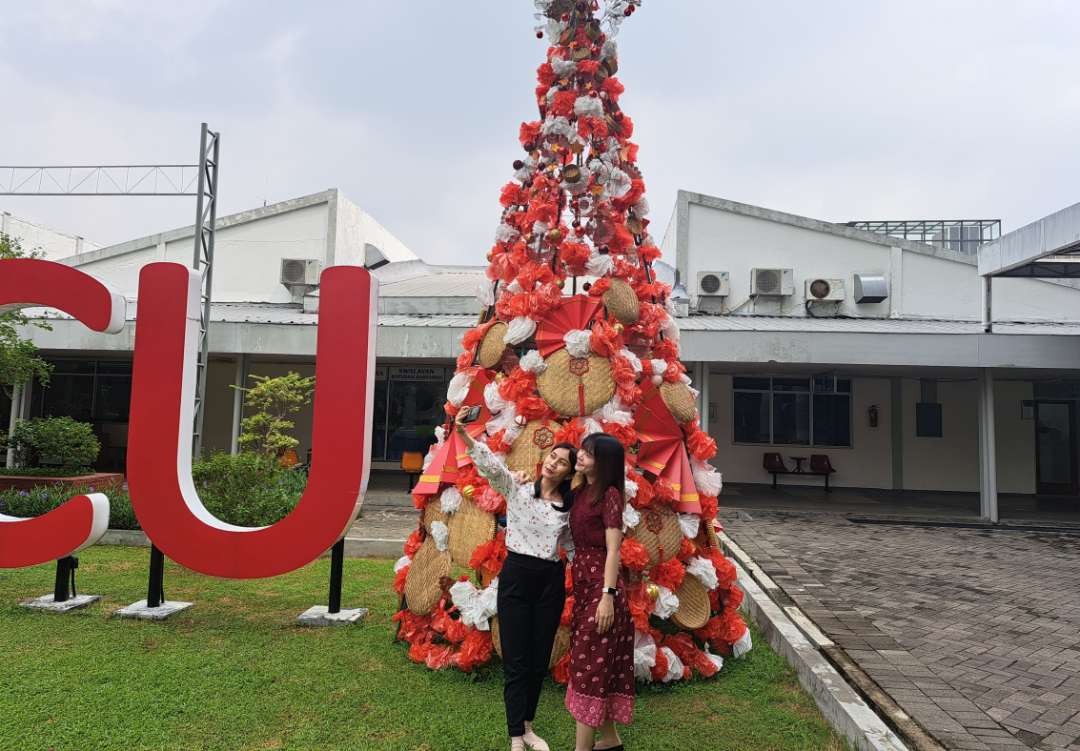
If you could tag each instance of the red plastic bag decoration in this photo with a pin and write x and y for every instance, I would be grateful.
(669, 573)
(633, 555)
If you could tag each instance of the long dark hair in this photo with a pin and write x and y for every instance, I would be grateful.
(610, 458)
(565, 487)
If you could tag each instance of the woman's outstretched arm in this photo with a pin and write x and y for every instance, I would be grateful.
(490, 467)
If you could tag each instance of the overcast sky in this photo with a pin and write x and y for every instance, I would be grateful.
(836, 110)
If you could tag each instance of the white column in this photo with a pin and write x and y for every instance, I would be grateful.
(13, 420)
(238, 402)
(988, 495)
(701, 380)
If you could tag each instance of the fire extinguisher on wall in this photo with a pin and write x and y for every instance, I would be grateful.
(872, 415)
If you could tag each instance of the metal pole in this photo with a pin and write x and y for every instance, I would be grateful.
(988, 304)
(337, 560)
(64, 586)
(155, 592)
(204, 251)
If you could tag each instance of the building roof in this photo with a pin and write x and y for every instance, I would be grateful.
(1048, 248)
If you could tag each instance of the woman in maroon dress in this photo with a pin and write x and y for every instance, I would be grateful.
(601, 687)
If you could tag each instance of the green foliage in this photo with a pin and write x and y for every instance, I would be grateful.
(43, 498)
(55, 441)
(267, 431)
(19, 360)
(248, 489)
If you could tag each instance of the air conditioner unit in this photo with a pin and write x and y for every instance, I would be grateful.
(300, 272)
(713, 284)
(771, 283)
(825, 290)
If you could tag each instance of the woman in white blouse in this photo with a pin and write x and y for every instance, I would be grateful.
(532, 588)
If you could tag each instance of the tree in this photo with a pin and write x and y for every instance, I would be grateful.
(267, 431)
(577, 336)
(19, 359)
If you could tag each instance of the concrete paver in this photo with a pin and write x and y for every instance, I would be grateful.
(975, 633)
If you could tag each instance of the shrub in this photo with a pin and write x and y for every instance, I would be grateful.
(43, 498)
(247, 489)
(267, 431)
(55, 441)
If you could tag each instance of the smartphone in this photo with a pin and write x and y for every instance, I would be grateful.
(470, 415)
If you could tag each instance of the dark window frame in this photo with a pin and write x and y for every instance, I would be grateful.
(842, 388)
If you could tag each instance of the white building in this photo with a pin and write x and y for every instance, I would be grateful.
(47, 243)
(886, 375)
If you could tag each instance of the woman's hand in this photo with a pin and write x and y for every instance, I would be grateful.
(521, 478)
(605, 613)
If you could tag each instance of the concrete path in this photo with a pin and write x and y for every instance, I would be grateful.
(974, 633)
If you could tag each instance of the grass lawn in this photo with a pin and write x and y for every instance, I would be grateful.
(234, 672)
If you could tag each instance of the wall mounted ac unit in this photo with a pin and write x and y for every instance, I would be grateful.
(771, 283)
(713, 284)
(300, 272)
(825, 290)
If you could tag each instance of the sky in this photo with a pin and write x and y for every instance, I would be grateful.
(837, 109)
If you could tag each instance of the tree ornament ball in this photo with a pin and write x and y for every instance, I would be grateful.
(468, 492)
(653, 591)
(560, 283)
(657, 380)
(521, 420)
(618, 328)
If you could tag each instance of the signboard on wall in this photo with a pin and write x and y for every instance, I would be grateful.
(427, 374)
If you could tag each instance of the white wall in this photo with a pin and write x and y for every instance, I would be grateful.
(50, 243)
(922, 285)
(867, 464)
(950, 463)
(355, 228)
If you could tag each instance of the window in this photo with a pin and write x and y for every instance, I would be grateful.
(928, 422)
(792, 411)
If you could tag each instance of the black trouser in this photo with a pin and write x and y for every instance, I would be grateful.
(532, 592)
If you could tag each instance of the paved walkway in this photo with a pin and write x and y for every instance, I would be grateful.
(975, 633)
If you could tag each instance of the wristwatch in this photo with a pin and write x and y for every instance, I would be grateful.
(611, 591)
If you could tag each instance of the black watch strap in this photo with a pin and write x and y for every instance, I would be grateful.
(611, 591)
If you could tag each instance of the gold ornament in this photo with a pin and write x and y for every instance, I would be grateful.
(560, 283)
(653, 592)
(469, 491)
(618, 328)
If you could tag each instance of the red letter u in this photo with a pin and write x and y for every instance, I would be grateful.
(160, 432)
(83, 519)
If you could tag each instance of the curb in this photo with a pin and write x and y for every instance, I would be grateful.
(842, 706)
(355, 547)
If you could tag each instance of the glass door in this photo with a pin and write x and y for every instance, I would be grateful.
(1055, 449)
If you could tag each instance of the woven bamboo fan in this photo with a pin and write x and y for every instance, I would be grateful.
(469, 526)
(423, 586)
(679, 400)
(492, 346)
(622, 302)
(659, 532)
(560, 647)
(532, 446)
(694, 606)
(433, 513)
(576, 386)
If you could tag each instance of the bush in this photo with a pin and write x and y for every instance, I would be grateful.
(247, 489)
(55, 441)
(43, 498)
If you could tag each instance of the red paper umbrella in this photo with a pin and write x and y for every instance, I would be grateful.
(663, 450)
(449, 458)
(577, 312)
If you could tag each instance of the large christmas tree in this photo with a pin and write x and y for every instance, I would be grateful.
(576, 336)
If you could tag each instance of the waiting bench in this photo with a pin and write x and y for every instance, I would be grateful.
(819, 465)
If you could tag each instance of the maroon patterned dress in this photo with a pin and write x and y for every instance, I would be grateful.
(601, 686)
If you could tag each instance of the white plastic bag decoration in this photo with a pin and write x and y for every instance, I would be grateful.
(577, 342)
(704, 570)
(458, 388)
(630, 517)
(708, 480)
(675, 666)
(690, 524)
(519, 329)
(533, 362)
(476, 606)
(644, 656)
(743, 645)
(402, 562)
(631, 489)
(666, 604)
(716, 660)
(450, 500)
(441, 533)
